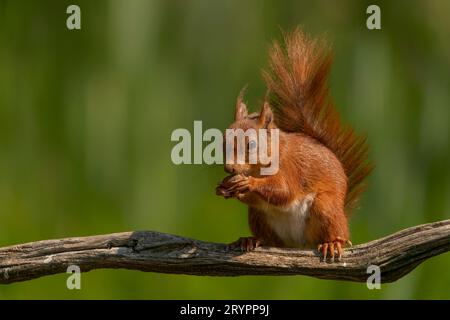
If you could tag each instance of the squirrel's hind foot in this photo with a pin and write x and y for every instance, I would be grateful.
(332, 248)
(246, 244)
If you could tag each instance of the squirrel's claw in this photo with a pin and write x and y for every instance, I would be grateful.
(344, 241)
(232, 186)
(240, 187)
(246, 244)
(339, 250)
(332, 248)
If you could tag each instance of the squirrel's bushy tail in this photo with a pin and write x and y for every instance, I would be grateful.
(297, 82)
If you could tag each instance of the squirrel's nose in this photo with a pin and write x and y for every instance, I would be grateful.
(229, 168)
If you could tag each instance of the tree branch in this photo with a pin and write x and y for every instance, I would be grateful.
(396, 255)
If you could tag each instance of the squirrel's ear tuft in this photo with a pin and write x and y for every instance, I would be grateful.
(241, 108)
(266, 116)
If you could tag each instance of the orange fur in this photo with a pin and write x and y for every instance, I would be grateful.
(297, 80)
(322, 163)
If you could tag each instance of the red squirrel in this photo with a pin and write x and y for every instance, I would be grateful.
(322, 163)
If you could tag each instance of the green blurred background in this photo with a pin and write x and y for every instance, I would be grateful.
(86, 118)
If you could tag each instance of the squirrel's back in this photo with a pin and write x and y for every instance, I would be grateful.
(297, 82)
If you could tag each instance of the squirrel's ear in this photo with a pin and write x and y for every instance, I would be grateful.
(241, 109)
(266, 116)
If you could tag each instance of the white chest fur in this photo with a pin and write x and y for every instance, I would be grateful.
(289, 223)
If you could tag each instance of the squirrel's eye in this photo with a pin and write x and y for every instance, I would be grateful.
(251, 145)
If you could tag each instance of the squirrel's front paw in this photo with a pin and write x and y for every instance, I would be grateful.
(234, 186)
(224, 188)
(240, 184)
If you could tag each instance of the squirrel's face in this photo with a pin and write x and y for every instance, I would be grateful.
(245, 138)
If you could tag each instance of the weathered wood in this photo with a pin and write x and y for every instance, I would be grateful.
(396, 255)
